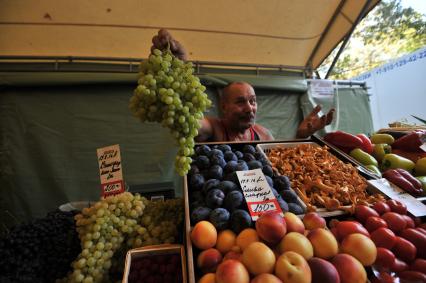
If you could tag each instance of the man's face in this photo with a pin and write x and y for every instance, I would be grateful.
(239, 106)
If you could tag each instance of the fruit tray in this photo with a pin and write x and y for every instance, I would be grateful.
(210, 173)
(327, 182)
(169, 259)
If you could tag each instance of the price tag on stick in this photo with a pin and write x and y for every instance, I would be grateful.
(109, 160)
(258, 194)
(414, 206)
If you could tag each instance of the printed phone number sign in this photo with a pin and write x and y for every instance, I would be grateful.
(258, 194)
(109, 160)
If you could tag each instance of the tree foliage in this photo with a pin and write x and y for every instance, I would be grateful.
(389, 31)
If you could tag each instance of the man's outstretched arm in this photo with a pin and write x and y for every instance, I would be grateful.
(313, 122)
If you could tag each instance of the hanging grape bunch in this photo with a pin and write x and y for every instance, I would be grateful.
(170, 94)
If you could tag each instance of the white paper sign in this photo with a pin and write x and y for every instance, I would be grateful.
(414, 206)
(258, 194)
(109, 160)
(321, 88)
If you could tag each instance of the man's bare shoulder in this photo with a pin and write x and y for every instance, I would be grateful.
(264, 133)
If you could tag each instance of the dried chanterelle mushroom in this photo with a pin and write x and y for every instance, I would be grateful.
(320, 178)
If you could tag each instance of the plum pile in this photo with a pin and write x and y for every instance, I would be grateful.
(156, 268)
(39, 251)
(215, 194)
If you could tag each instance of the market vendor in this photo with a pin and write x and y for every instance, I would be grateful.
(238, 105)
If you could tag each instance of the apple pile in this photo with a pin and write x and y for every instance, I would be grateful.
(399, 238)
(283, 249)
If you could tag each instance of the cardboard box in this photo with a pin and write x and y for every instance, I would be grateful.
(155, 250)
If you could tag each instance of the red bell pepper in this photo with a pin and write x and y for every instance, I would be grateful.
(343, 140)
(412, 155)
(367, 146)
(403, 179)
(411, 141)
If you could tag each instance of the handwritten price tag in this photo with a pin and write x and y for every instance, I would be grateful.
(258, 194)
(109, 160)
(414, 206)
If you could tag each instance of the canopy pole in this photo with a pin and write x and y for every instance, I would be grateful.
(325, 33)
(348, 36)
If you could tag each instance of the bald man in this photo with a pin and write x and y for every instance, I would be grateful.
(238, 105)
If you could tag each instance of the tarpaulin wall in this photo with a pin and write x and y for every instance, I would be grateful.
(49, 137)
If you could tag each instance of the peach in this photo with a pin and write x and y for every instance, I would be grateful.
(208, 278)
(208, 260)
(246, 237)
(349, 268)
(233, 255)
(258, 258)
(298, 243)
(294, 223)
(204, 235)
(313, 220)
(361, 247)
(324, 243)
(226, 239)
(271, 227)
(266, 278)
(232, 271)
(323, 271)
(291, 267)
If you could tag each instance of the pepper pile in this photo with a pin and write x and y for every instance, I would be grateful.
(399, 160)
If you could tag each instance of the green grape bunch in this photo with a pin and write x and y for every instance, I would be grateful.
(113, 225)
(169, 93)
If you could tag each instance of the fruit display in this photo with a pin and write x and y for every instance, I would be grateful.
(400, 242)
(115, 224)
(215, 193)
(400, 161)
(381, 241)
(39, 251)
(170, 94)
(321, 179)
